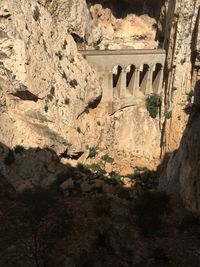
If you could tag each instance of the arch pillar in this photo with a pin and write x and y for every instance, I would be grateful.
(146, 85)
(107, 86)
(121, 84)
(134, 82)
(157, 84)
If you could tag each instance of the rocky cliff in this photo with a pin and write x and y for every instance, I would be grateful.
(50, 96)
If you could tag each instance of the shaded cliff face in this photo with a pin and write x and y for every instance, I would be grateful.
(181, 176)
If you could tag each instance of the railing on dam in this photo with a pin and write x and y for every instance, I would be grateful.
(127, 76)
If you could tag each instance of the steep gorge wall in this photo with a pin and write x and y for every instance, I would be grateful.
(48, 89)
(44, 84)
(181, 175)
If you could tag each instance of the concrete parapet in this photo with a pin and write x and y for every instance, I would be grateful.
(126, 75)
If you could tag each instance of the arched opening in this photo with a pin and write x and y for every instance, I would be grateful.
(129, 73)
(157, 82)
(158, 67)
(116, 74)
(143, 73)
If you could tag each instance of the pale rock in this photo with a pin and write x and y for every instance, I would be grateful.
(128, 182)
(108, 167)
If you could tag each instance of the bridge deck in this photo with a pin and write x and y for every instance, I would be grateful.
(122, 52)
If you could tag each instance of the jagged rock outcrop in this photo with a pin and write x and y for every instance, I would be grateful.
(39, 62)
(46, 87)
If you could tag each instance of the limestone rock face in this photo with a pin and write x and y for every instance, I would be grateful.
(44, 83)
(181, 41)
(115, 31)
(47, 88)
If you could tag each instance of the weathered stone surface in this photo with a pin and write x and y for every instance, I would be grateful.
(42, 59)
(108, 167)
(128, 183)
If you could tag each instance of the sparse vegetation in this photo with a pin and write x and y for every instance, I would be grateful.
(115, 178)
(92, 152)
(78, 129)
(59, 55)
(190, 95)
(64, 76)
(107, 158)
(73, 83)
(36, 13)
(183, 60)
(52, 90)
(153, 103)
(19, 149)
(187, 109)
(64, 46)
(46, 108)
(169, 115)
(96, 168)
(67, 101)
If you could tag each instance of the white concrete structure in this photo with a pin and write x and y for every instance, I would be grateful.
(127, 76)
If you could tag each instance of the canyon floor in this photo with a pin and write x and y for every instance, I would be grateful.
(130, 225)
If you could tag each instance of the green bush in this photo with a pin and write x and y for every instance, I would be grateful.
(92, 152)
(107, 158)
(190, 96)
(115, 178)
(153, 103)
(96, 168)
(169, 115)
(10, 158)
(19, 149)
